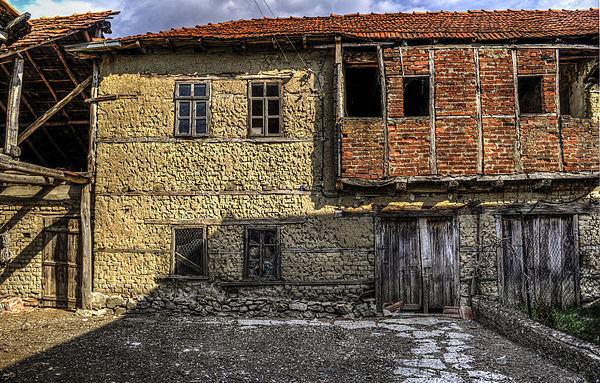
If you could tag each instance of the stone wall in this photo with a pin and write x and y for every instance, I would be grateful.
(22, 213)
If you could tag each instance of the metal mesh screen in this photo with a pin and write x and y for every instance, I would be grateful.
(189, 251)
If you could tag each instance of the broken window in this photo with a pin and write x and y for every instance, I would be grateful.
(363, 91)
(416, 96)
(530, 94)
(262, 254)
(264, 108)
(191, 109)
(577, 78)
(190, 251)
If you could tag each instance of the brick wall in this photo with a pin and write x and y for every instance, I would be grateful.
(456, 126)
(362, 148)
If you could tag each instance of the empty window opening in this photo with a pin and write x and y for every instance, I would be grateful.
(262, 261)
(530, 94)
(362, 91)
(416, 96)
(577, 78)
(190, 252)
(265, 108)
(191, 109)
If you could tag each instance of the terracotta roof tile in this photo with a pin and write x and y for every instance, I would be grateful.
(56, 27)
(479, 25)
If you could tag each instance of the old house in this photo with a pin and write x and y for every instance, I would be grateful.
(334, 165)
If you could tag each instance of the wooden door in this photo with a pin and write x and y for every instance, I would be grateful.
(416, 262)
(540, 256)
(61, 263)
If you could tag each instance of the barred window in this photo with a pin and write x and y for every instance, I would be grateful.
(189, 252)
(264, 108)
(262, 261)
(192, 109)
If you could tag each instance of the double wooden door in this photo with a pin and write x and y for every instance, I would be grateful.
(61, 263)
(416, 262)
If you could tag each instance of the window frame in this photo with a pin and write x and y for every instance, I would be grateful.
(204, 266)
(518, 95)
(277, 271)
(265, 115)
(177, 99)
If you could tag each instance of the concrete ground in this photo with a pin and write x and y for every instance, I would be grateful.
(59, 346)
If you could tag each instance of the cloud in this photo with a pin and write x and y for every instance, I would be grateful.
(138, 17)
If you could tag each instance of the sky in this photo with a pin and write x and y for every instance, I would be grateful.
(141, 16)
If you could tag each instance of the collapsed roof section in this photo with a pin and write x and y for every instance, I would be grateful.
(53, 112)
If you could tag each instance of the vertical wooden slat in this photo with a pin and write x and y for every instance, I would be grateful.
(500, 260)
(86, 198)
(517, 147)
(480, 157)
(426, 262)
(575, 256)
(12, 114)
(561, 158)
(378, 258)
(432, 135)
(384, 112)
(339, 102)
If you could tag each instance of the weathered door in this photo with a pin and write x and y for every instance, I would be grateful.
(61, 263)
(540, 256)
(416, 262)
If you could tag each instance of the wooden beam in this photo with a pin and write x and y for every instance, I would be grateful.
(339, 101)
(63, 112)
(7, 163)
(517, 147)
(384, 112)
(480, 152)
(432, 134)
(561, 158)
(12, 114)
(67, 68)
(52, 111)
(86, 198)
(24, 179)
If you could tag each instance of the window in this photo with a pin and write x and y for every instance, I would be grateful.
(416, 96)
(189, 251)
(262, 254)
(264, 108)
(362, 91)
(530, 94)
(192, 109)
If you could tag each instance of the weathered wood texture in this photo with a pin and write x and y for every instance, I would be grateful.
(61, 263)
(416, 262)
(540, 253)
(12, 114)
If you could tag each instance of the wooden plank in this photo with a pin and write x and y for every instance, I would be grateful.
(12, 114)
(8, 163)
(500, 260)
(575, 257)
(52, 111)
(378, 243)
(339, 108)
(384, 107)
(24, 179)
(480, 156)
(517, 145)
(432, 134)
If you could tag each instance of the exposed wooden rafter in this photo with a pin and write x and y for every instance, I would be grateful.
(12, 115)
(7, 163)
(52, 111)
(62, 111)
(67, 67)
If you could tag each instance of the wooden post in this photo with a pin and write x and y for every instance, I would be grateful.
(339, 107)
(12, 114)
(86, 200)
(480, 157)
(517, 148)
(384, 113)
(432, 143)
(561, 158)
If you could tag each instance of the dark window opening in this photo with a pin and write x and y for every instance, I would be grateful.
(363, 92)
(262, 254)
(530, 94)
(265, 109)
(577, 76)
(190, 252)
(416, 96)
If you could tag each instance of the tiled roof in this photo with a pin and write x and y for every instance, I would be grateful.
(46, 29)
(472, 25)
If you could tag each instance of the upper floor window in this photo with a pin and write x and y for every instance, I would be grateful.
(265, 108)
(416, 96)
(362, 83)
(192, 109)
(530, 94)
